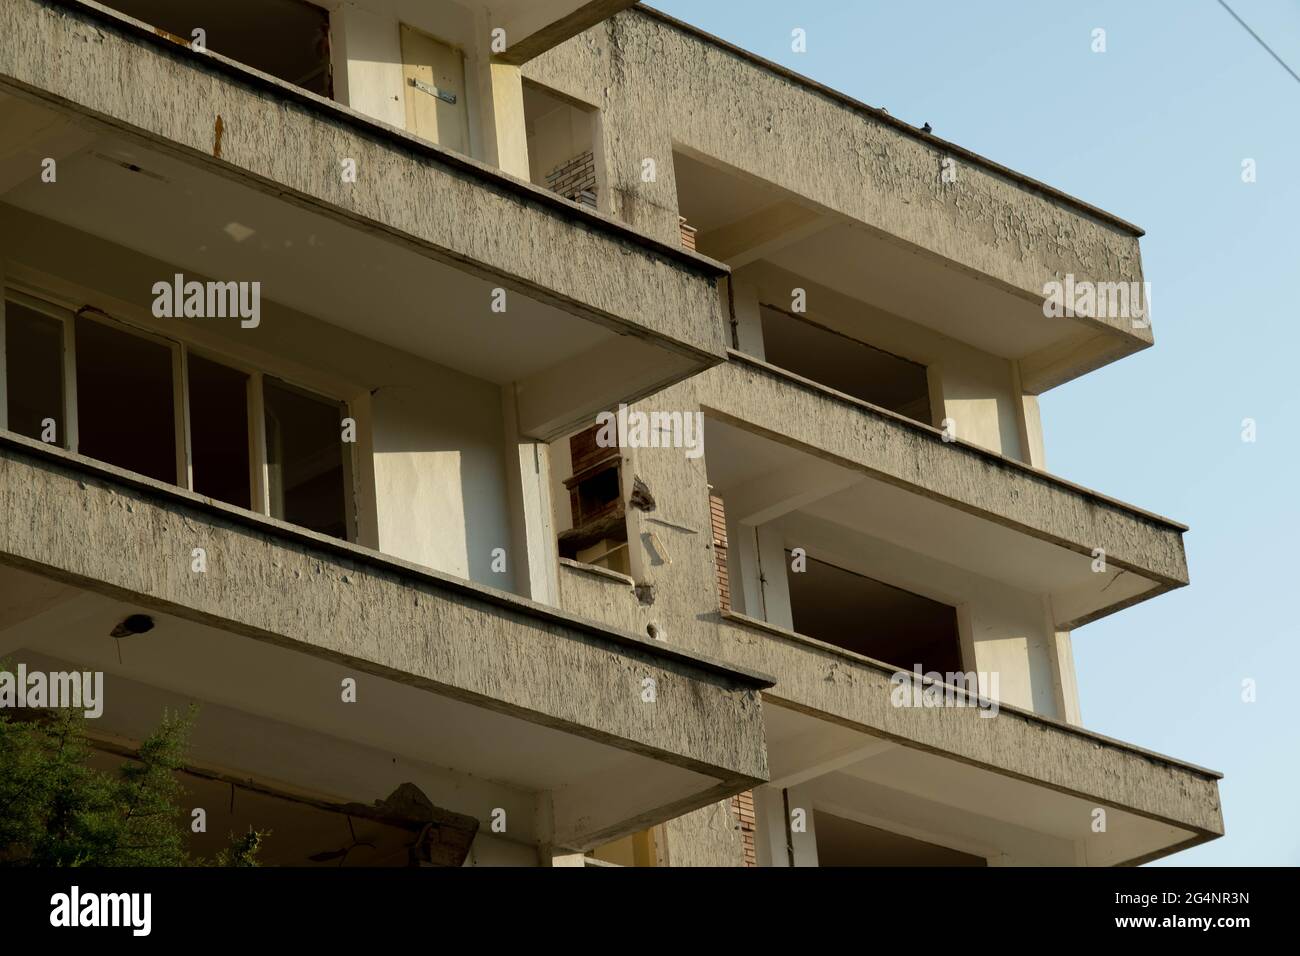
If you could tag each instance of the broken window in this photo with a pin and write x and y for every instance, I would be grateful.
(874, 619)
(846, 365)
(33, 348)
(305, 459)
(289, 39)
(219, 459)
(125, 400)
(599, 532)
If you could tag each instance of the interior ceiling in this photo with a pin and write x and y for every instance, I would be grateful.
(710, 197)
(300, 690)
(876, 509)
(985, 801)
(209, 226)
(842, 842)
(538, 103)
(856, 262)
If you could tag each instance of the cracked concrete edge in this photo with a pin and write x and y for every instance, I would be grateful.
(797, 412)
(83, 523)
(93, 62)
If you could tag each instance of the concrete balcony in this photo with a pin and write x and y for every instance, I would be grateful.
(577, 732)
(991, 786)
(783, 444)
(227, 172)
(777, 171)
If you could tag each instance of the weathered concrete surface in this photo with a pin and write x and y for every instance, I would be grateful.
(709, 836)
(661, 83)
(284, 141)
(131, 538)
(853, 690)
(672, 552)
(792, 410)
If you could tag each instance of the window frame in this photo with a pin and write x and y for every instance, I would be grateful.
(352, 400)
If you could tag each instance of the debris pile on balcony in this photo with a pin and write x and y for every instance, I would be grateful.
(575, 180)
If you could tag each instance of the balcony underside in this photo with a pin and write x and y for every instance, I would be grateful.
(985, 812)
(453, 680)
(784, 243)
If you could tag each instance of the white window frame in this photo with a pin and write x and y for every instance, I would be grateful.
(351, 399)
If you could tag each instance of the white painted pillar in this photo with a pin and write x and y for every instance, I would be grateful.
(367, 55)
(801, 815)
(771, 847)
(749, 320)
(534, 559)
(776, 586)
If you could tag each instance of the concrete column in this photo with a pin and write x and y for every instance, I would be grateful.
(776, 586)
(367, 55)
(801, 814)
(771, 845)
(749, 322)
(534, 559)
(501, 108)
(1029, 423)
(1066, 683)
(742, 567)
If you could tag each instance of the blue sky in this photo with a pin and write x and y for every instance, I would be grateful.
(1154, 130)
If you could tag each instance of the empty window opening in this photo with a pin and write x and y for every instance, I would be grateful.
(125, 400)
(433, 78)
(874, 619)
(842, 842)
(34, 373)
(599, 532)
(561, 151)
(846, 365)
(305, 459)
(289, 39)
(219, 457)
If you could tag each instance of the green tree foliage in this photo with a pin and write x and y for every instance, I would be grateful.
(57, 810)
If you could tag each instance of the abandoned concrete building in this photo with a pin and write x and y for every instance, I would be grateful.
(536, 432)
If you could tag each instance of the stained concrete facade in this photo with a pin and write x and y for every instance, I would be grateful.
(596, 709)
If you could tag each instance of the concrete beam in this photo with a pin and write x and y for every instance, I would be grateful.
(537, 27)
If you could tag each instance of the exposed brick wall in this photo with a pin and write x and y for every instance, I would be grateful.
(718, 517)
(742, 805)
(575, 180)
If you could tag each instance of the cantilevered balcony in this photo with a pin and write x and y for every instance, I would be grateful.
(227, 173)
(540, 729)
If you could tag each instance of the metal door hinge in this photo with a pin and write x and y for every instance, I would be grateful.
(434, 91)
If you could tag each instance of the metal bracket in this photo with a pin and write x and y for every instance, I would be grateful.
(432, 90)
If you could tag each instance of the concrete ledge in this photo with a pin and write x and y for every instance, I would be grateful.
(843, 429)
(90, 525)
(852, 690)
(282, 140)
